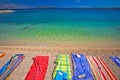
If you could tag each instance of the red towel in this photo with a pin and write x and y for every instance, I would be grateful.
(38, 68)
(100, 69)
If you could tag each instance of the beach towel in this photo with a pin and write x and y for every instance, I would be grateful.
(3, 69)
(94, 68)
(116, 60)
(81, 67)
(10, 66)
(62, 64)
(2, 54)
(38, 68)
(60, 75)
(100, 69)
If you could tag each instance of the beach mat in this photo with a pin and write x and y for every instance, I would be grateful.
(81, 67)
(2, 54)
(9, 67)
(38, 68)
(100, 69)
(60, 75)
(62, 70)
(116, 60)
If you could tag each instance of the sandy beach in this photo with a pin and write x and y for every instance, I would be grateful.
(52, 27)
(20, 72)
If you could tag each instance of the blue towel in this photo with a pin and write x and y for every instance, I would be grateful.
(14, 65)
(60, 75)
(81, 68)
(116, 60)
(4, 68)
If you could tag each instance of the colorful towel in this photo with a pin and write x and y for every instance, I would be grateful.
(60, 75)
(63, 64)
(100, 69)
(2, 54)
(116, 59)
(82, 69)
(4, 68)
(10, 66)
(38, 68)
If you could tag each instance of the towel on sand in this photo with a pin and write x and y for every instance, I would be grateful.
(116, 59)
(38, 68)
(2, 54)
(10, 66)
(82, 69)
(60, 75)
(62, 64)
(100, 69)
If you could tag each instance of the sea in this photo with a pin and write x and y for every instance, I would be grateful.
(41, 26)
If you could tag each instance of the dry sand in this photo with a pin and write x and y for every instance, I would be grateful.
(20, 72)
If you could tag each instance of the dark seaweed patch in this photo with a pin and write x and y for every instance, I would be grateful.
(118, 29)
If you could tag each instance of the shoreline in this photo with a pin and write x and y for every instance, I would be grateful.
(55, 48)
(68, 50)
(64, 44)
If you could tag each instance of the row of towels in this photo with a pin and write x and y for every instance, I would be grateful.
(36, 72)
(84, 68)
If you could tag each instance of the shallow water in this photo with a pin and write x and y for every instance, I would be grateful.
(63, 25)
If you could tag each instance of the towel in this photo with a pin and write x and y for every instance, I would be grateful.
(2, 54)
(82, 69)
(116, 59)
(100, 69)
(38, 68)
(60, 75)
(63, 64)
(11, 65)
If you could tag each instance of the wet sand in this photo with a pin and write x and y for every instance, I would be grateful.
(20, 72)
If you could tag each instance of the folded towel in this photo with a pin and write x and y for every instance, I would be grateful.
(60, 75)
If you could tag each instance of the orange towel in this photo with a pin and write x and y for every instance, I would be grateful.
(2, 54)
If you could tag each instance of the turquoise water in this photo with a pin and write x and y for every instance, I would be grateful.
(71, 25)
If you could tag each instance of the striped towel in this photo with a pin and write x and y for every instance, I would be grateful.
(63, 64)
(11, 65)
(100, 69)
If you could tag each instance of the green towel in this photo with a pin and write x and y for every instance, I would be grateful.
(63, 64)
